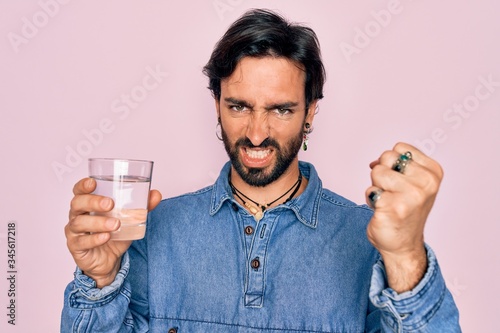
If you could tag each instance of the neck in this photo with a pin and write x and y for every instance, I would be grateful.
(267, 195)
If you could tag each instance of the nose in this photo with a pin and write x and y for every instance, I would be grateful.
(257, 128)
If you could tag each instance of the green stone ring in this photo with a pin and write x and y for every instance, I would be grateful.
(402, 162)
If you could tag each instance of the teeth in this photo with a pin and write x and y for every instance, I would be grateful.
(257, 153)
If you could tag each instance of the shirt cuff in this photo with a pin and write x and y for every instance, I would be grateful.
(412, 309)
(86, 295)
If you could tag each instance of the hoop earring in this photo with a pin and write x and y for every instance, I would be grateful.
(218, 130)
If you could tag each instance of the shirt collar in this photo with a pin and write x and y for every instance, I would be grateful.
(305, 206)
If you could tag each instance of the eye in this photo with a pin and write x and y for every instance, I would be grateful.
(283, 111)
(237, 107)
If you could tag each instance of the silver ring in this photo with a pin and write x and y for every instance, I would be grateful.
(402, 162)
(374, 196)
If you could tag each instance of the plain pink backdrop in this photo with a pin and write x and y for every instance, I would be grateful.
(66, 68)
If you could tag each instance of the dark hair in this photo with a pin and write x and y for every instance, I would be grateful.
(260, 33)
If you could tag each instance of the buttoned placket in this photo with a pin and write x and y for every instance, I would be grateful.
(249, 226)
(257, 235)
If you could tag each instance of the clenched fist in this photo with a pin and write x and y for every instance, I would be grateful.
(405, 183)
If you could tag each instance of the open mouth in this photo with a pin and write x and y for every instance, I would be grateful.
(256, 157)
(257, 154)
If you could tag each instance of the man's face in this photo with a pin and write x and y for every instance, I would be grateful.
(262, 111)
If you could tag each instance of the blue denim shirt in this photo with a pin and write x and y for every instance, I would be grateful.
(206, 265)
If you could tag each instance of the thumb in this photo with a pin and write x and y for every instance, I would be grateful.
(154, 199)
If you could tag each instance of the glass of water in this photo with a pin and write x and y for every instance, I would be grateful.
(128, 183)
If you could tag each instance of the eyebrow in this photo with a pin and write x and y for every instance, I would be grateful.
(232, 100)
(285, 105)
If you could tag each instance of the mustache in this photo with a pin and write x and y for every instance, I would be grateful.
(268, 142)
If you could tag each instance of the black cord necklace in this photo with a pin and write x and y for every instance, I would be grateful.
(255, 212)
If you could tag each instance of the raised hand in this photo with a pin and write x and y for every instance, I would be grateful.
(88, 236)
(405, 183)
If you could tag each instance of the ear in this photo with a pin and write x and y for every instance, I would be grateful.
(311, 112)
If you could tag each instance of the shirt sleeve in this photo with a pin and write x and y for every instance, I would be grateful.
(114, 308)
(429, 307)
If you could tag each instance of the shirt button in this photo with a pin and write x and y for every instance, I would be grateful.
(255, 263)
(248, 230)
(172, 330)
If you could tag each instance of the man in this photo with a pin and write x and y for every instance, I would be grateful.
(266, 248)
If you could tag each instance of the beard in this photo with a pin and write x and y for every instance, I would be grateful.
(258, 176)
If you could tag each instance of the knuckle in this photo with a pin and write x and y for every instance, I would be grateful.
(399, 145)
(378, 170)
(75, 188)
(74, 203)
(401, 210)
(433, 183)
(439, 171)
(67, 230)
(386, 156)
(76, 221)
(78, 187)
(420, 196)
(70, 244)
(74, 244)
(84, 186)
(93, 202)
(71, 227)
(417, 195)
(71, 239)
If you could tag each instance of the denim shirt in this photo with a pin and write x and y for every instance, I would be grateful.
(206, 265)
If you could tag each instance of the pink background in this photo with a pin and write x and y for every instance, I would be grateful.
(64, 74)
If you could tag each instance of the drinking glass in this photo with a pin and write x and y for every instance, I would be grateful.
(128, 183)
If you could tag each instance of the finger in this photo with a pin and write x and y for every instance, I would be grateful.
(84, 186)
(374, 163)
(372, 195)
(154, 199)
(386, 201)
(415, 176)
(408, 167)
(387, 179)
(419, 157)
(84, 224)
(379, 199)
(402, 148)
(86, 203)
(414, 173)
(390, 158)
(86, 242)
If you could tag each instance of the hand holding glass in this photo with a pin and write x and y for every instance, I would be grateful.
(128, 183)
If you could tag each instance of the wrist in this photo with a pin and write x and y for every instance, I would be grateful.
(405, 271)
(104, 280)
